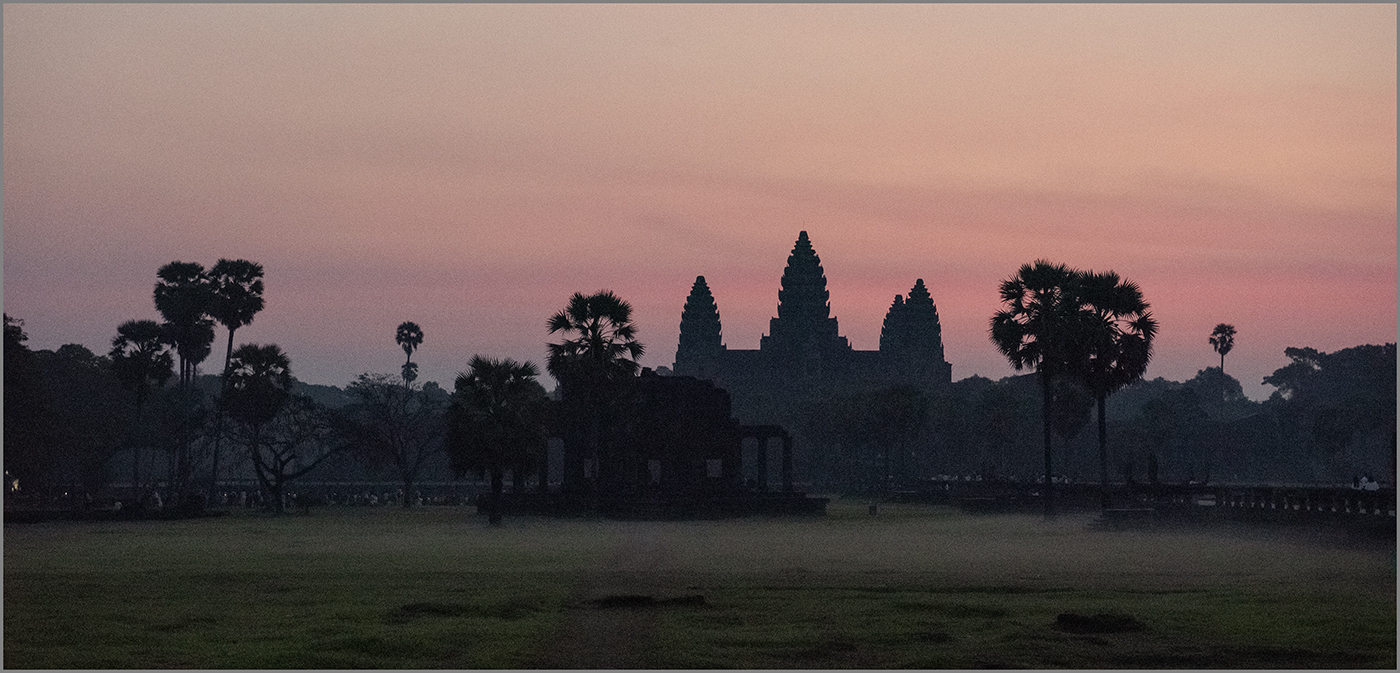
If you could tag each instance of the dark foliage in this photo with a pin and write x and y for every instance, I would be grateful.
(393, 422)
(496, 420)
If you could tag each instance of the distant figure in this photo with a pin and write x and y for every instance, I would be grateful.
(156, 503)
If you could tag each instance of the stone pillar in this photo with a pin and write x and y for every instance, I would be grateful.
(763, 463)
(787, 463)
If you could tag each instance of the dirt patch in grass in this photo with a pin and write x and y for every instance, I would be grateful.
(1070, 622)
(646, 601)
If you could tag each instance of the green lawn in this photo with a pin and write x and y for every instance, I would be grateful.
(914, 586)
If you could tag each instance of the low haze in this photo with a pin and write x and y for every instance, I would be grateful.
(469, 167)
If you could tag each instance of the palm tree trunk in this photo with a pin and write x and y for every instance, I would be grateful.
(1048, 496)
(497, 494)
(136, 450)
(544, 469)
(219, 419)
(886, 477)
(228, 353)
(1103, 449)
(135, 473)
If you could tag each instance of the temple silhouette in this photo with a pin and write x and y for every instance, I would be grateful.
(803, 357)
(675, 446)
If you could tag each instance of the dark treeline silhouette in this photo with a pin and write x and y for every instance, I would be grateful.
(142, 425)
(1332, 420)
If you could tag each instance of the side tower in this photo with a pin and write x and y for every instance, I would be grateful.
(804, 327)
(700, 349)
(913, 339)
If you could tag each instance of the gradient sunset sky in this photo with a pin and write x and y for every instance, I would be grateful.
(469, 167)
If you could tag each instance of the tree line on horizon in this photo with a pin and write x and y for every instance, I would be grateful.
(73, 418)
(69, 415)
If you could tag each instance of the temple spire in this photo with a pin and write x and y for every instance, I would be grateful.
(804, 325)
(911, 325)
(803, 296)
(893, 333)
(700, 331)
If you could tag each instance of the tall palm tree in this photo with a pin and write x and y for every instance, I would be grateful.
(141, 362)
(237, 288)
(593, 365)
(1038, 329)
(496, 419)
(184, 297)
(409, 336)
(1119, 332)
(1223, 339)
(606, 347)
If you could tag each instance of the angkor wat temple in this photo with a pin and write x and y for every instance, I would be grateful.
(803, 357)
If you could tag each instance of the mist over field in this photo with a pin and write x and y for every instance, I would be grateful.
(912, 586)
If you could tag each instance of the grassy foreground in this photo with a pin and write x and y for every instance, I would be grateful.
(914, 586)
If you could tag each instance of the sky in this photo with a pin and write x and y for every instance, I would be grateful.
(470, 167)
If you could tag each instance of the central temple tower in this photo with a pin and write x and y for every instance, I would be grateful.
(804, 326)
(803, 358)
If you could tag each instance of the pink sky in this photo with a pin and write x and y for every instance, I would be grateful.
(469, 167)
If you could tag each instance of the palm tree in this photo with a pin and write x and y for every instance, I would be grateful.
(287, 435)
(1038, 329)
(184, 296)
(591, 366)
(237, 288)
(259, 382)
(259, 386)
(1223, 339)
(495, 419)
(141, 362)
(409, 336)
(606, 347)
(1119, 339)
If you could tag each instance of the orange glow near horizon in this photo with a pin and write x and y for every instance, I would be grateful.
(469, 166)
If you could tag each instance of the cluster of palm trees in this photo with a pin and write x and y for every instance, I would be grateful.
(1093, 328)
(191, 300)
(497, 417)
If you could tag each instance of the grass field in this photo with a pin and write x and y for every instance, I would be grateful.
(915, 586)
